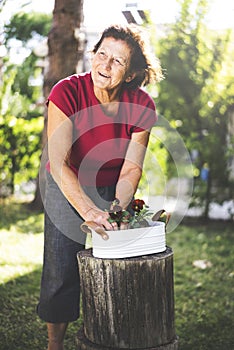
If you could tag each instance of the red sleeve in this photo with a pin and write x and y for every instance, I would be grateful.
(64, 95)
(143, 113)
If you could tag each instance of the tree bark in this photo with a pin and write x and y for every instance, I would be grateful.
(127, 303)
(208, 197)
(65, 47)
(65, 50)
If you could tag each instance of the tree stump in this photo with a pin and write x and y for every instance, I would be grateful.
(127, 303)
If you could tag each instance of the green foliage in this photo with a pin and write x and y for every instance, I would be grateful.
(198, 90)
(19, 137)
(28, 29)
(21, 120)
(154, 174)
(27, 72)
(166, 158)
(23, 26)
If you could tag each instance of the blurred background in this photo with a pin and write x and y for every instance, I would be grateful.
(189, 167)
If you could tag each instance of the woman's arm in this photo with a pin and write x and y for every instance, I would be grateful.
(59, 147)
(132, 168)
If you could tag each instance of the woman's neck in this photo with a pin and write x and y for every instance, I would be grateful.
(107, 96)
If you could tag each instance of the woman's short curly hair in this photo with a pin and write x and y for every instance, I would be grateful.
(143, 63)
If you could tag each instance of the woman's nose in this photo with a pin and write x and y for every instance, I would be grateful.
(108, 62)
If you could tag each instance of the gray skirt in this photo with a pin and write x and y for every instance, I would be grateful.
(60, 285)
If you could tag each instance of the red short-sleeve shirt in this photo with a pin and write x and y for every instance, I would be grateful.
(100, 141)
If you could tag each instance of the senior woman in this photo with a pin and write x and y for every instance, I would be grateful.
(98, 129)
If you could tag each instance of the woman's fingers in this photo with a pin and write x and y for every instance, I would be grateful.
(101, 225)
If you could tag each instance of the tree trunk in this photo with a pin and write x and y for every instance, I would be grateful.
(65, 47)
(208, 197)
(127, 303)
(65, 50)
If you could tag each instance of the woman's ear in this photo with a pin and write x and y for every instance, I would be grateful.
(130, 77)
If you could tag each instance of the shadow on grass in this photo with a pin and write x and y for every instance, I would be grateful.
(210, 335)
(18, 214)
(20, 327)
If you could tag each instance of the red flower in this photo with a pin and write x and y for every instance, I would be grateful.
(138, 205)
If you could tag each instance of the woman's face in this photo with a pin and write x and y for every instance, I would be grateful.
(110, 64)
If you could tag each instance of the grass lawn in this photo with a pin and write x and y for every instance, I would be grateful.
(203, 275)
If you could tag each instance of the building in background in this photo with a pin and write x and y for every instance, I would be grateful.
(131, 12)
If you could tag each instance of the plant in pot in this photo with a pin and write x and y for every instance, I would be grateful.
(139, 231)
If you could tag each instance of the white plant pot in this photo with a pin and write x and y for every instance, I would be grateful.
(130, 242)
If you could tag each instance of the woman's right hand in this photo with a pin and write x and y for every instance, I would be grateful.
(101, 218)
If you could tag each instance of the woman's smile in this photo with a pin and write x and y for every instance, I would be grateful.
(104, 75)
